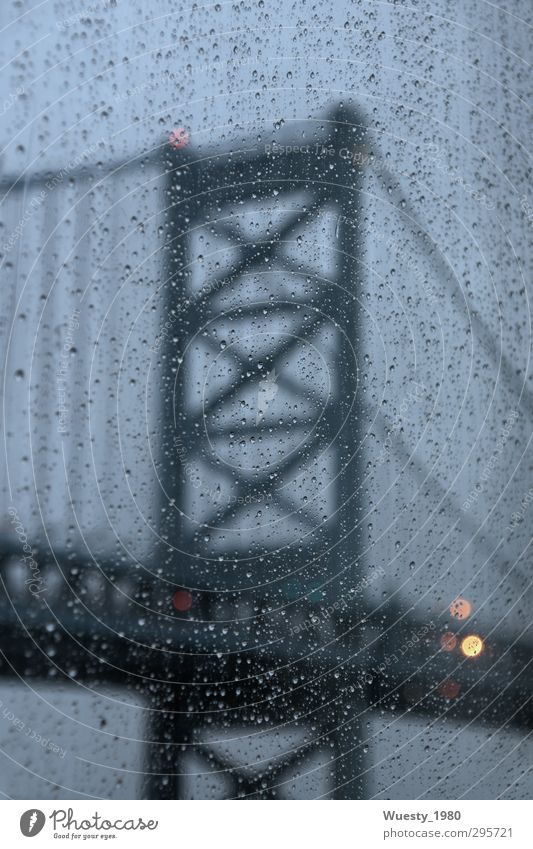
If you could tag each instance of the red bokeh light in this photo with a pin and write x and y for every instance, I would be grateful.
(182, 600)
(179, 137)
(448, 641)
(449, 689)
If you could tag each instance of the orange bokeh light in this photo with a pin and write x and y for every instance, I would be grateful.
(472, 646)
(460, 608)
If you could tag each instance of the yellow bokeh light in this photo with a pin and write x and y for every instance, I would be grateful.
(472, 646)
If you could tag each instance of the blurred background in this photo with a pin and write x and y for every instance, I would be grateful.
(266, 400)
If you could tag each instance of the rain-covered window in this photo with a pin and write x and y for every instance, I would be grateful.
(267, 400)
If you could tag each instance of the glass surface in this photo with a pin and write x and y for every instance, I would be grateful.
(267, 400)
